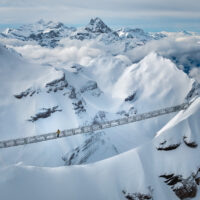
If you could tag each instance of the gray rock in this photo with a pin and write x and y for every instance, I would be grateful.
(29, 92)
(46, 112)
(72, 94)
(131, 97)
(183, 188)
(96, 25)
(56, 85)
(138, 196)
(90, 85)
(79, 107)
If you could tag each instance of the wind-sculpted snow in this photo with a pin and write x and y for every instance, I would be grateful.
(181, 48)
(186, 126)
(136, 174)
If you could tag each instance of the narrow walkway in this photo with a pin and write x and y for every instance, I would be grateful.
(93, 127)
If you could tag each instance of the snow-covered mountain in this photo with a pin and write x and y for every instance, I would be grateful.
(45, 33)
(50, 33)
(55, 77)
(158, 169)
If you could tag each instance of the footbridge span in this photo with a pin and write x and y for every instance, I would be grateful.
(92, 127)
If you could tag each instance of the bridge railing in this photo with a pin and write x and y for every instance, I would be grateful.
(92, 127)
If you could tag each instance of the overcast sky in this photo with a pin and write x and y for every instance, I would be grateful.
(152, 15)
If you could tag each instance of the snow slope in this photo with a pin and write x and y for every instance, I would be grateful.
(129, 174)
(100, 94)
(53, 76)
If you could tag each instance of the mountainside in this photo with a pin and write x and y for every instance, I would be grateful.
(160, 174)
(48, 34)
(45, 33)
(54, 99)
(57, 77)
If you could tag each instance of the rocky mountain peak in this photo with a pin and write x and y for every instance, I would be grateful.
(96, 25)
(41, 21)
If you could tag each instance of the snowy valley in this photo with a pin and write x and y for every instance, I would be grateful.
(59, 77)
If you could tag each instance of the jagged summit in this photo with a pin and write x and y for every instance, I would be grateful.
(48, 24)
(41, 21)
(46, 33)
(96, 25)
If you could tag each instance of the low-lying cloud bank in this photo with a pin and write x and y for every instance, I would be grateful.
(182, 49)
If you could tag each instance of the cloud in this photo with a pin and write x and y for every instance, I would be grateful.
(195, 73)
(79, 11)
(183, 50)
(192, 5)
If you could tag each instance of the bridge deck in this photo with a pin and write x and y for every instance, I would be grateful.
(92, 127)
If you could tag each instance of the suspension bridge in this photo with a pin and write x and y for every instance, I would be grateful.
(92, 127)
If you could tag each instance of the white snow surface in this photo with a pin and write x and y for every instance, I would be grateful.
(91, 80)
(156, 82)
(133, 171)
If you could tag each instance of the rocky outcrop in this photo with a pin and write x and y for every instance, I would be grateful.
(29, 92)
(164, 147)
(45, 112)
(50, 38)
(131, 97)
(78, 106)
(56, 85)
(99, 117)
(92, 87)
(96, 25)
(81, 36)
(72, 94)
(183, 187)
(191, 144)
(138, 196)
(77, 68)
(195, 91)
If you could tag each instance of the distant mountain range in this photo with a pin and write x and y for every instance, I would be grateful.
(49, 33)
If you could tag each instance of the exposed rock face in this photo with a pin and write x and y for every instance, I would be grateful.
(131, 97)
(96, 29)
(47, 34)
(191, 144)
(42, 38)
(132, 111)
(29, 92)
(72, 94)
(78, 106)
(99, 117)
(81, 36)
(46, 112)
(138, 196)
(77, 68)
(164, 147)
(195, 91)
(158, 36)
(97, 26)
(53, 86)
(90, 85)
(183, 188)
(58, 84)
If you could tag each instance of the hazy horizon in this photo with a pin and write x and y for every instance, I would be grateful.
(148, 27)
(151, 15)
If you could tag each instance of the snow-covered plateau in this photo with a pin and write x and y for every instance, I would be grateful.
(58, 77)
